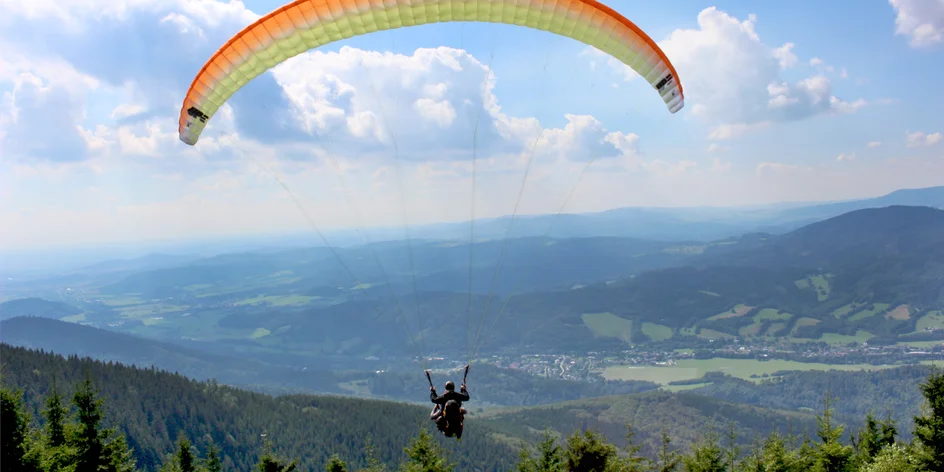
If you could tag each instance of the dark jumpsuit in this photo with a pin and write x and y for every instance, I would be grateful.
(438, 415)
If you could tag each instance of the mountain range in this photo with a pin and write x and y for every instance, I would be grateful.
(873, 274)
(650, 223)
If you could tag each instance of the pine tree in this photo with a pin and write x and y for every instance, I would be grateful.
(831, 455)
(424, 455)
(669, 459)
(335, 464)
(706, 455)
(894, 458)
(733, 452)
(867, 443)
(213, 462)
(755, 460)
(16, 448)
(550, 457)
(588, 452)
(373, 463)
(55, 415)
(929, 428)
(183, 459)
(270, 463)
(93, 451)
(776, 458)
(633, 462)
(87, 437)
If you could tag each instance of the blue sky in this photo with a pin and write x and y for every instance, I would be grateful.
(784, 102)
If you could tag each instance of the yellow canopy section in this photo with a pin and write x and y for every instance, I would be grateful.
(306, 24)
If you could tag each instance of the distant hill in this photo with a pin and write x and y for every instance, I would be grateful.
(36, 307)
(893, 392)
(437, 266)
(652, 223)
(677, 224)
(75, 339)
(685, 416)
(928, 197)
(870, 274)
(876, 271)
(148, 262)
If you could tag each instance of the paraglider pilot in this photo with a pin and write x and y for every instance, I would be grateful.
(448, 412)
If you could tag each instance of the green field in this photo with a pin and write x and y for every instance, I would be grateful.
(760, 317)
(153, 320)
(259, 333)
(712, 334)
(804, 322)
(608, 325)
(845, 310)
(191, 288)
(121, 301)
(920, 344)
(681, 388)
(931, 320)
(738, 310)
(771, 314)
(687, 369)
(277, 300)
(861, 336)
(751, 330)
(775, 328)
(656, 332)
(150, 309)
(866, 313)
(819, 282)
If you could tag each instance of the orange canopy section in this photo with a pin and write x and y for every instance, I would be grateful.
(306, 24)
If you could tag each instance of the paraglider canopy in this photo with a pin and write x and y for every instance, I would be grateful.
(307, 24)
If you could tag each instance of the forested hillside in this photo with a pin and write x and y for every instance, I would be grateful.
(232, 429)
(496, 386)
(152, 408)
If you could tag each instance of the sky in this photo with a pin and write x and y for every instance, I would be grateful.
(784, 101)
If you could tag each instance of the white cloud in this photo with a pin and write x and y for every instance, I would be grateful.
(785, 55)
(720, 165)
(874, 144)
(846, 157)
(715, 147)
(93, 149)
(730, 131)
(921, 20)
(733, 80)
(919, 138)
(625, 72)
(105, 121)
(41, 121)
(778, 167)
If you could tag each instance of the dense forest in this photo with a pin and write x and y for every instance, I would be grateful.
(498, 386)
(143, 419)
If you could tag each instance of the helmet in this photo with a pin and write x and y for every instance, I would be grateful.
(450, 386)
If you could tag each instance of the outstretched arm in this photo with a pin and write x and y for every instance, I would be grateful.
(463, 394)
(432, 395)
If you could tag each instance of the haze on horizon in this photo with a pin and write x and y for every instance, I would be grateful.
(798, 102)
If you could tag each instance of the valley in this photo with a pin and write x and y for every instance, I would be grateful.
(560, 333)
